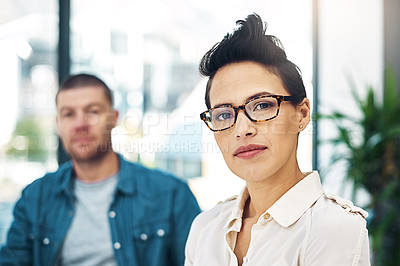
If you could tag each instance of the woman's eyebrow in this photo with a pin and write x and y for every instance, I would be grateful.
(222, 105)
(264, 93)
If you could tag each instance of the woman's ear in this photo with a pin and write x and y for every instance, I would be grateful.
(304, 114)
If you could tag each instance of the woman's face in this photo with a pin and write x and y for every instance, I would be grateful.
(256, 151)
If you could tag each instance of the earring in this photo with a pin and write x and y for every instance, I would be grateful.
(301, 126)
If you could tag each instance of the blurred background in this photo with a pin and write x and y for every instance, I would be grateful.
(148, 52)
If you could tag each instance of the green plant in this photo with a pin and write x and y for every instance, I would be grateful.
(370, 147)
(29, 139)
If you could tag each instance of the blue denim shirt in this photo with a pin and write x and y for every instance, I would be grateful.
(150, 218)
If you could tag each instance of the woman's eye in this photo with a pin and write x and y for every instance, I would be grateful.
(224, 116)
(262, 106)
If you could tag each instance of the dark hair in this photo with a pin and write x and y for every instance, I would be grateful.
(248, 42)
(85, 80)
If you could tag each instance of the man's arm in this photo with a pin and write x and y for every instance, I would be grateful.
(185, 210)
(18, 248)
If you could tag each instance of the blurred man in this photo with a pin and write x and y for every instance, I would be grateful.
(98, 209)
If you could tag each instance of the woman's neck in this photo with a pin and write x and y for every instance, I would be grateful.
(265, 193)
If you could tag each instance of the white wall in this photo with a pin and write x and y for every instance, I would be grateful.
(351, 48)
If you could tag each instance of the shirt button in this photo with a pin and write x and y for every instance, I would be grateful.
(46, 241)
(112, 214)
(245, 259)
(143, 237)
(117, 245)
(160, 232)
(267, 216)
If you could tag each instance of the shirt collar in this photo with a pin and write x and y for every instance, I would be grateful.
(288, 208)
(297, 200)
(66, 171)
(235, 218)
(125, 183)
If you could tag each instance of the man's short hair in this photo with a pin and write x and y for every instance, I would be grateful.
(85, 80)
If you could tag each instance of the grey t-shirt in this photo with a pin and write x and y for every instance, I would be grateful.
(88, 241)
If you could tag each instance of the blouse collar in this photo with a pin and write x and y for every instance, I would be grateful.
(288, 208)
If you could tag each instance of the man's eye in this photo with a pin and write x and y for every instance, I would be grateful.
(94, 112)
(67, 114)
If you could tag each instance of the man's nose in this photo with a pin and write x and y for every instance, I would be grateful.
(81, 121)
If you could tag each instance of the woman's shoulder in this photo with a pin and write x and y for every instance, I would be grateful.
(332, 213)
(337, 233)
(338, 206)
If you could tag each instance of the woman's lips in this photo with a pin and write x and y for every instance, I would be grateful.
(249, 151)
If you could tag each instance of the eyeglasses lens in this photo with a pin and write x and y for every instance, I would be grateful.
(261, 109)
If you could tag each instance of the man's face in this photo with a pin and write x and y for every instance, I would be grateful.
(84, 121)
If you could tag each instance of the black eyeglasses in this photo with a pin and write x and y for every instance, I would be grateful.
(258, 109)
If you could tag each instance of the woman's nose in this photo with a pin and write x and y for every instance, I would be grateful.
(244, 127)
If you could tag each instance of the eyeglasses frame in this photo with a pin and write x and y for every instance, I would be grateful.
(280, 98)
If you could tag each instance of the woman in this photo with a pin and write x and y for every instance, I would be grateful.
(257, 107)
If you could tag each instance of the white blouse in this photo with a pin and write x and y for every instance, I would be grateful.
(305, 226)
